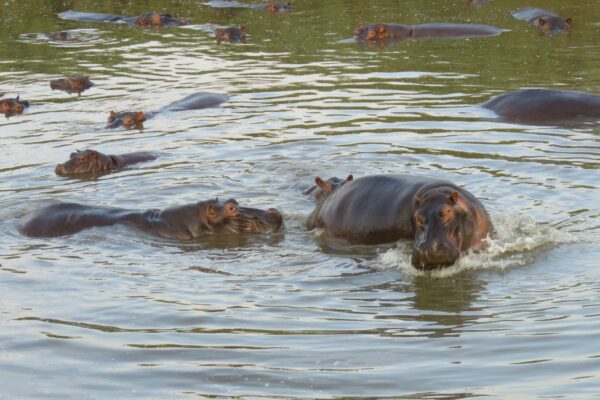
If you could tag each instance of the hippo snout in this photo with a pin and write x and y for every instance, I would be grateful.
(60, 170)
(433, 255)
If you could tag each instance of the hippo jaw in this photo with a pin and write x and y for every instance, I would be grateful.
(254, 220)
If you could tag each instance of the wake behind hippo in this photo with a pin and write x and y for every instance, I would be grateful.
(442, 218)
(389, 33)
(186, 222)
(196, 101)
(147, 19)
(545, 106)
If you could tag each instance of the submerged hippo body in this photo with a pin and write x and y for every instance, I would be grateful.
(92, 163)
(442, 218)
(546, 21)
(147, 19)
(74, 84)
(11, 106)
(194, 101)
(397, 32)
(545, 105)
(271, 7)
(184, 222)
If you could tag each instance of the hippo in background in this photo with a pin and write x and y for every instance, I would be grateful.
(444, 220)
(390, 33)
(59, 36)
(74, 84)
(476, 2)
(323, 189)
(545, 105)
(147, 19)
(91, 163)
(270, 7)
(195, 101)
(546, 21)
(231, 34)
(186, 222)
(12, 106)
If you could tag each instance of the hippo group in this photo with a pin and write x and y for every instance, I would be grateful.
(442, 219)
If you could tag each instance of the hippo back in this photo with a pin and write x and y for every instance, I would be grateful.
(197, 101)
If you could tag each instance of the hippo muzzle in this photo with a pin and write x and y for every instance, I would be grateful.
(254, 220)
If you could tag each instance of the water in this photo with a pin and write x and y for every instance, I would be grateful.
(112, 312)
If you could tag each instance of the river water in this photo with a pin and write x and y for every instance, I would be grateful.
(112, 312)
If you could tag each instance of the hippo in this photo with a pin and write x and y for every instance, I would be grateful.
(195, 101)
(231, 34)
(397, 32)
(74, 84)
(270, 7)
(544, 105)
(442, 218)
(185, 222)
(476, 2)
(59, 36)
(546, 21)
(148, 19)
(92, 163)
(323, 189)
(11, 106)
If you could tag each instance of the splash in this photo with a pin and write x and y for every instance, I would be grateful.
(520, 239)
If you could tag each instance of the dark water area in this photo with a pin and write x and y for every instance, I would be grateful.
(112, 312)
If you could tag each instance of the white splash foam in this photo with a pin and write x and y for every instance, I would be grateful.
(519, 240)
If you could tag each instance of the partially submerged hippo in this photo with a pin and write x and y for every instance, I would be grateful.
(59, 36)
(148, 19)
(194, 101)
(322, 189)
(270, 7)
(231, 34)
(92, 163)
(11, 106)
(442, 218)
(546, 21)
(185, 222)
(544, 105)
(398, 32)
(74, 84)
(476, 2)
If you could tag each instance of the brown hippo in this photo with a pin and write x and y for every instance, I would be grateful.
(544, 105)
(323, 189)
(74, 84)
(546, 21)
(231, 34)
(59, 36)
(442, 218)
(10, 107)
(147, 19)
(397, 32)
(270, 7)
(194, 101)
(92, 163)
(185, 222)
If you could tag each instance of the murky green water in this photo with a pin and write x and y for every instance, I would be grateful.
(114, 313)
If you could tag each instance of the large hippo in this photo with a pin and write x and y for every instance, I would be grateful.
(545, 105)
(92, 163)
(396, 32)
(184, 222)
(148, 19)
(194, 101)
(442, 218)
(12, 106)
(546, 21)
(231, 34)
(270, 7)
(74, 84)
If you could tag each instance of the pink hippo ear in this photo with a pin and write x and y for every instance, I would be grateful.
(453, 198)
(381, 28)
(211, 212)
(541, 21)
(319, 182)
(569, 21)
(350, 178)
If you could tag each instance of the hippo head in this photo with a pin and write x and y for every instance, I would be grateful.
(254, 220)
(229, 217)
(549, 24)
(60, 36)
(443, 227)
(81, 84)
(127, 119)
(323, 189)
(13, 106)
(279, 7)
(151, 19)
(231, 34)
(372, 32)
(87, 162)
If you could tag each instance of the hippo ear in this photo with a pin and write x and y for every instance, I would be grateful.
(361, 25)
(319, 182)
(243, 28)
(381, 28)
(218, 31)
(541, 21)
(211, 212)
(569, 21)
(418, 201)
(93, 154)
(139, 116)
(453, 198)
(350, 178)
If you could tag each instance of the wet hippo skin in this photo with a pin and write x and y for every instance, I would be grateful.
(147, 19)
(92, 163)
(442, 218)
(270, 7)
(397, 32)
(12, 106)
(546, 21)
(194, 101)
(186, 222)
(74, 84)
(545, 105)
(231, 34)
